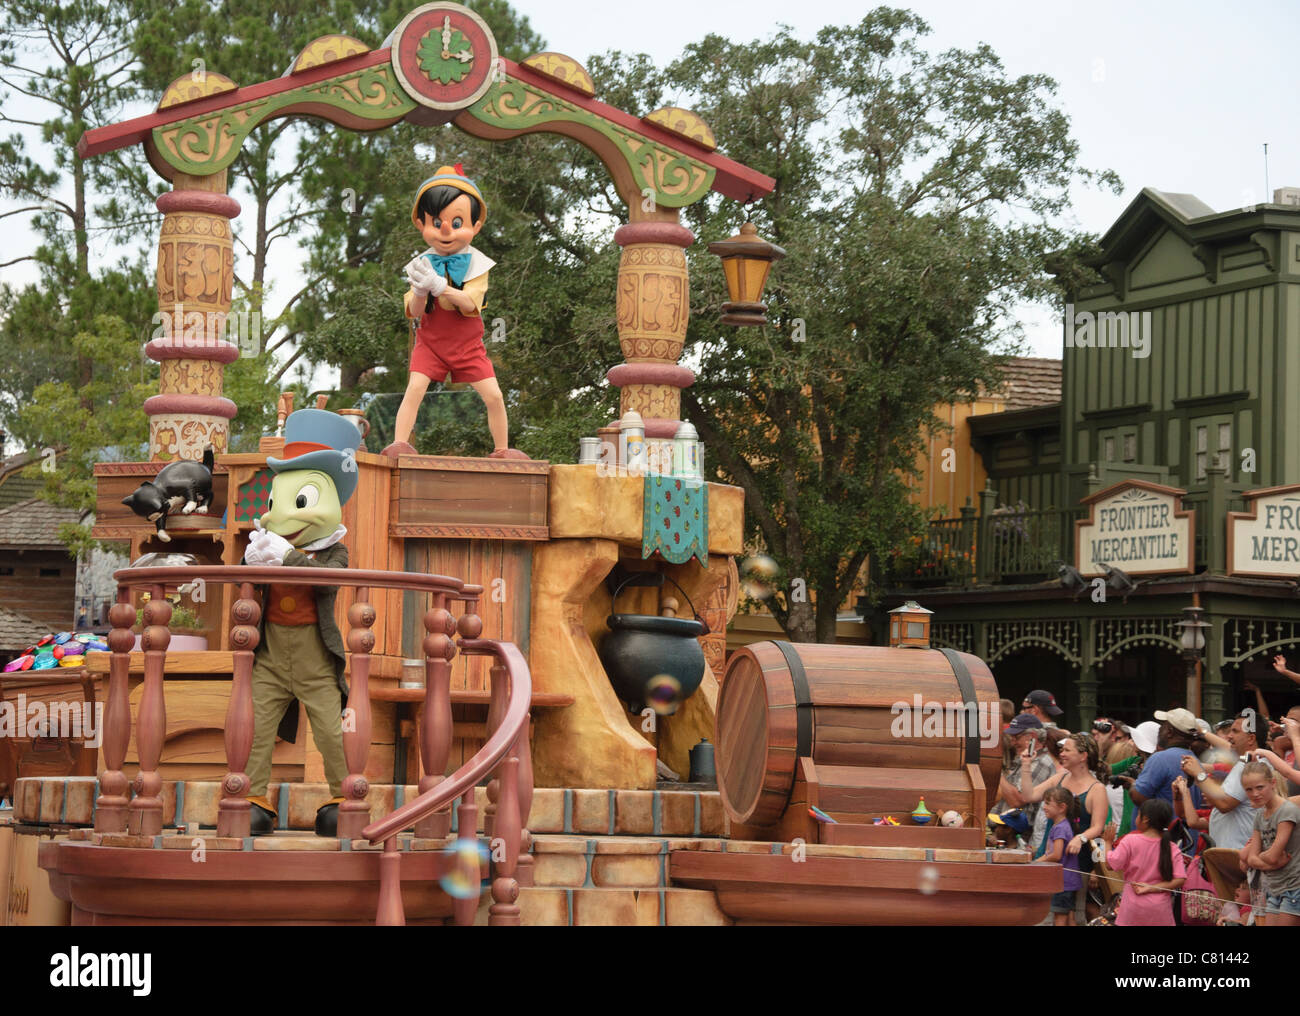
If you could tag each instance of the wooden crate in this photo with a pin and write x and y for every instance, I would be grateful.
(488, 499)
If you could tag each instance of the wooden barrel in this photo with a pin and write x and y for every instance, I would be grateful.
(837, 705)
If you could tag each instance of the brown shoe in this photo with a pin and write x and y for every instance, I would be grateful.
(508, 453)
(398, 448)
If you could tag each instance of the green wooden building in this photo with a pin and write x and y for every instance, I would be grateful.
(1180, 371)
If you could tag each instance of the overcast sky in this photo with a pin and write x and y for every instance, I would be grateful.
(1176, 96)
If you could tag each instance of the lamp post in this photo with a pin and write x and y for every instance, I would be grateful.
(1192, 639)
(746, 260)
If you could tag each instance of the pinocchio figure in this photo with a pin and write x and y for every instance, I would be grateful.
(449, 283)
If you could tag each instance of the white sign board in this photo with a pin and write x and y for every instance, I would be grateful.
(1138, 527)
(1264, 540)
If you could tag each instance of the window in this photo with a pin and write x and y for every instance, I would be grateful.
(1119, 444)
(1211, 446)
(50, 573)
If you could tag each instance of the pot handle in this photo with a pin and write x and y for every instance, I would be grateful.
(656, 580)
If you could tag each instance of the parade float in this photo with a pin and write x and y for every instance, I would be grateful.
(529, 646)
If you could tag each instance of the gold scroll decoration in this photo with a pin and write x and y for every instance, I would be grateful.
(327, 49)
(684, 124)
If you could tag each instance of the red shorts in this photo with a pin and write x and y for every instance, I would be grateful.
(449, 343)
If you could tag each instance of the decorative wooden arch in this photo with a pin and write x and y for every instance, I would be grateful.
(440, 65)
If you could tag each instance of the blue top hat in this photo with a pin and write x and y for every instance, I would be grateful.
(319, 439)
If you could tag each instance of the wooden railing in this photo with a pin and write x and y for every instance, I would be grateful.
(429, 813)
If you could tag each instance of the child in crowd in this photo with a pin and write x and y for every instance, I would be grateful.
(1058, 805)
(1273, 848)
(1239, 912)
(1150, 866)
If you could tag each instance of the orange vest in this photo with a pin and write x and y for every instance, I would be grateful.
(293, 605)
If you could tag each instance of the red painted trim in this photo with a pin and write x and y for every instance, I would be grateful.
(198, 405)
(196, 349)
(130, 132)
(732, 179)
(625, 374)
(653, 232)
(295, 448)
(658, 427)
(198, 201)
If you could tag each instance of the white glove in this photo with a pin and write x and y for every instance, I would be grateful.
(266, 547)
(424, 279)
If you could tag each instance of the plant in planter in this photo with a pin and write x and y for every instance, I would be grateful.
(189, 631)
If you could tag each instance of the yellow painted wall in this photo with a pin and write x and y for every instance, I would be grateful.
(938, 489)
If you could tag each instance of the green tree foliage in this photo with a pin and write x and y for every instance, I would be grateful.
(915, 196)
(106, 414)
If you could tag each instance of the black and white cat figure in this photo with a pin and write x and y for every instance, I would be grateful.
(183, 485)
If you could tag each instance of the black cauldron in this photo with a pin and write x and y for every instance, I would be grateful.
(653, 660)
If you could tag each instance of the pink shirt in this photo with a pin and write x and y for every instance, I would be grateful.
(1137, 858)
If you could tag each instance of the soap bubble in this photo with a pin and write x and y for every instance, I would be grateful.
(756, 576)
(663, 694)
(928, 880)
(462, 878)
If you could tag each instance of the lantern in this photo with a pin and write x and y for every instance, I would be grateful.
(746, 260)
(909, 625)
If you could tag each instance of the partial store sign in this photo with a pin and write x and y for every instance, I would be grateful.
(1141, 528)
(1264, 540)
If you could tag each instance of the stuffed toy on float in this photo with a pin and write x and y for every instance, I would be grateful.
(300, 656)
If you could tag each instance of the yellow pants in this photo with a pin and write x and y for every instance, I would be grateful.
(291, 664)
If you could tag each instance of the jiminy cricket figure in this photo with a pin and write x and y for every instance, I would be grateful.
(449, 282)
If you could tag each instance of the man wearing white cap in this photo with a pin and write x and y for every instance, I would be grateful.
(1178, 729)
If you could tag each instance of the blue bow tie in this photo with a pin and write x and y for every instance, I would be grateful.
(453, 266)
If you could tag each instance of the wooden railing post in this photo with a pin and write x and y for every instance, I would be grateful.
(145, 814)
(390, 912)
(232, 813)
(110, 808)
(496, 711)
(435, 727)
(354, 812)
(464, 908)
(524, 751)
(505, 888)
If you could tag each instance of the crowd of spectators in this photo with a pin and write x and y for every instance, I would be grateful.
(1165, 822)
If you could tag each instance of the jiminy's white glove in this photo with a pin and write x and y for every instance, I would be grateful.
(266, 547)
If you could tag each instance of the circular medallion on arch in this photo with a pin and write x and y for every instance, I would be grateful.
(444, 55)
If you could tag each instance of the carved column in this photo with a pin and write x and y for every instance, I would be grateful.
(145, 814)
(435, 724)
(354, 812)
(233, 817)
(195, 279)
(652, 311)
(110, 808)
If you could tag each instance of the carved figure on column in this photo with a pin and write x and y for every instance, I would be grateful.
(300, 657)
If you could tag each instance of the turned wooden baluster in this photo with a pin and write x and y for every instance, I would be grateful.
(232, 813)
(435, 726)
(145, 814)
(390, 913)
(354, 812)
(523, 750)
(496, 711)
(505, 888)
(467, 830)
(110, 808)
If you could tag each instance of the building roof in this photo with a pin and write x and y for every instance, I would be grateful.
(34, 523)
(18, 631)
(14, 485)
(1030, 381)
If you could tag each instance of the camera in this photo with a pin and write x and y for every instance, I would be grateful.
(1103, 726)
